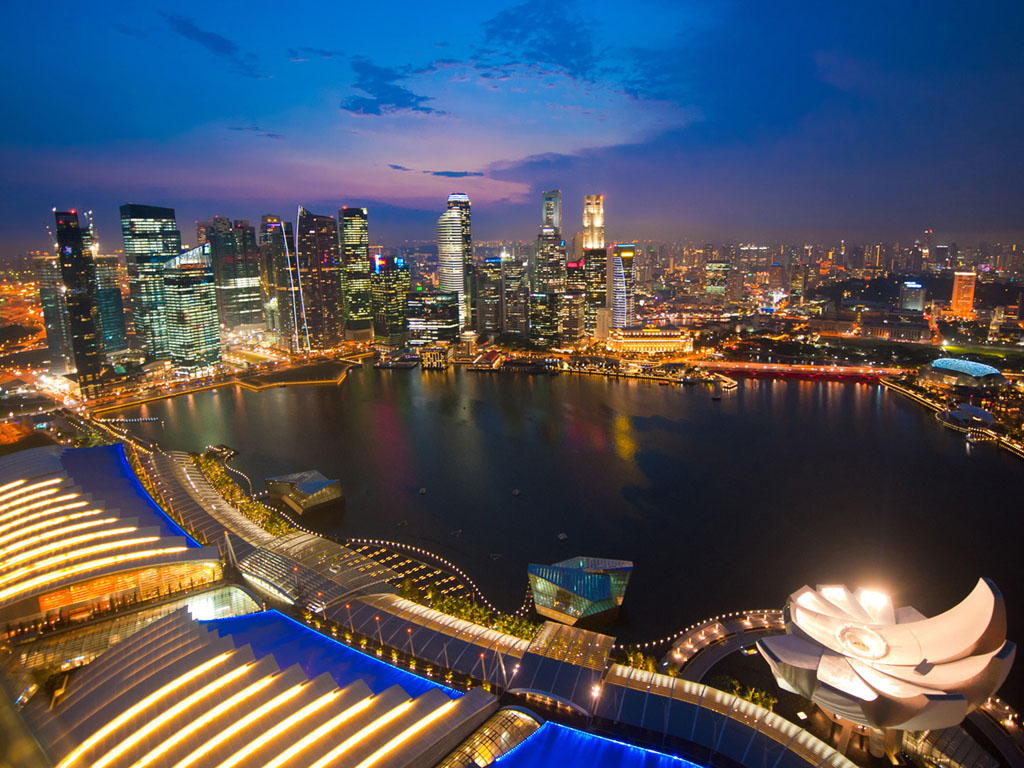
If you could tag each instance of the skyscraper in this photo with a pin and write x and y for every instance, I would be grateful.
(455, 254)
(912, 296)
(962, 302)
(516, 287)
(114, 333)
(549, 262)
(190, 295)
(55, 312)
(716, 273)
(151, 238)
(390, 284)
(490, 299)
(320, 283)
(235, 259)
(623, 280)
(551, 209)
(283, 298)
(354, 237)
(593, 221)
(78, 284)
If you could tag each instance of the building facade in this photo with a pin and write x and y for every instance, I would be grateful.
(190, 294)
(354, 240)
(455, 254)
(432, 316)
(962, 302)
(593, 222)
(551, 209)
(320, 282)
(623, 281)
(151, 239)
(390, 283)
(78, 284)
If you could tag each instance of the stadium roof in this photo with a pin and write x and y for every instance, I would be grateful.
(257, 690)
(976, 370)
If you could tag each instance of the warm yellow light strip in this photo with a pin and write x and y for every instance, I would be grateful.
(19, 504)
(51, 499)
(238, 725)
(407, 734)
(46, 512)
(72, 570)
(136, 709)
(321, 731)
(281, 727)
(25, 488)
(11, 485)
(48, 523)
(351, 741)
(42, 565)
(62, 544)
(199, 722)
(174, 711)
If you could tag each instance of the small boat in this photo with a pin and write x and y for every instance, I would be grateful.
(516, 492)
(563, 536)
(402, 523)
(495, 555)
(423, 491)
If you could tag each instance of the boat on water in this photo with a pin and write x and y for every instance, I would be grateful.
(563, 536)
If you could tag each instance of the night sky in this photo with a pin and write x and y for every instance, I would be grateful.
(697, 120)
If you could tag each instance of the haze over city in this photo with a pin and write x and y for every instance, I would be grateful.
(723, 121)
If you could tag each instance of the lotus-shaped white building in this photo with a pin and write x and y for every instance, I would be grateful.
(859, 657)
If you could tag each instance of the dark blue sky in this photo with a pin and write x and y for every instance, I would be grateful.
(698, 120)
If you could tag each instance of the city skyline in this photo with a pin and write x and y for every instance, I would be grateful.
(706, 123)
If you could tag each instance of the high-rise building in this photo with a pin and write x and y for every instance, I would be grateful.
(432, 316)
(283, 297)
(515, 281)
(78, 284)
(193, 322)
(55, 313)
(546, 318)
(595, 274)
(962, 302)
(574, 330)
(320, 286)
(912, 296)
(235, 258)
(455, 254)
(548, 265)
(623, 278)
(354, 237)
(151, 239)
(593, 222)
(551, 209)
(390, 284)
(490, 298)
(113, 331)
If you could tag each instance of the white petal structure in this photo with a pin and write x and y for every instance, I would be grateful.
(859, 657)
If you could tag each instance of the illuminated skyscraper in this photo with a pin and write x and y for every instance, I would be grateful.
(190, 293)
(912, 296)
(490, 299)
(78, 284)
(549, 261)
(151, 239)
(320, 286)
(962, 302)
(354, 237)
(546, 319)
(235, 259)
(516, 288)
(455, 254)
(390, 283)
(113, 334)
(55, 312)
(593, 221)
(623, 281)
(551, 209)
(716, 273)
(282, 296)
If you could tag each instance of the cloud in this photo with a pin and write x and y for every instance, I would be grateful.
(384, 94)
(242, 63)
(304, 53)
(454, 174)
(253, 128)
(546, 32)
(400, 167)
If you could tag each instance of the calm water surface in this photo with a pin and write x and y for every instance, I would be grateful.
(721, 505)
